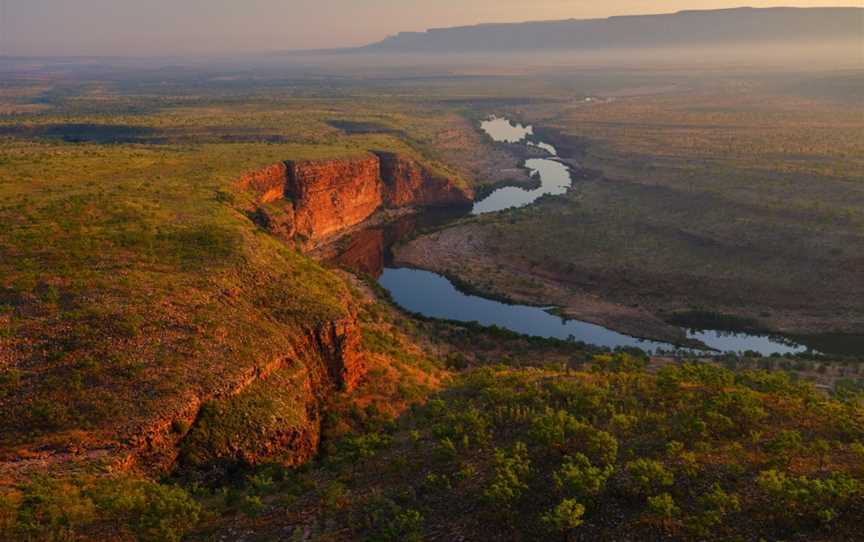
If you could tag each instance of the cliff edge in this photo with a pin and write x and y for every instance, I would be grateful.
(315, 200)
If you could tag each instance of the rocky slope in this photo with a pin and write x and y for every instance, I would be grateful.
(268, 410)
(317, 199)
(275, 413)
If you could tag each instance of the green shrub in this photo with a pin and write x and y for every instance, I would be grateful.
(579, 478)
(784, 445)
(154, 512)
(663, 507)
(564, 517)
(511, 472)
(386, 521)
(713, 508)
(166, 515)
(561, 430)
(53, 509)
(807, 499)
(58, 509)
(647, 476)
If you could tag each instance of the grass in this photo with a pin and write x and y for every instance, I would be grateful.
(272, 413)
(110, 246)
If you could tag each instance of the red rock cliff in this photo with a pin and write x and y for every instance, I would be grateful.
(331, 195)
(267, 184)
(408, 183)
(324, 358)
(318, 199)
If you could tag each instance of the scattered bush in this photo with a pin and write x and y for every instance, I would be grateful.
(564, 517)
(803, 499)
(511, 471)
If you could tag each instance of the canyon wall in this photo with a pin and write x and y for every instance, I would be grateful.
(407, 183)
(272, 411)
(317, 199)
(331, 195)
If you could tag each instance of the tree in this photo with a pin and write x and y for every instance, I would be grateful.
(564, 517)
(806, 499)
(511, 470)
(579, 478)
(714, 506)
(648, 476)
(663, 507)
(559, 429)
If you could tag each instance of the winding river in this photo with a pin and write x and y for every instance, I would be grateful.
(435, 296)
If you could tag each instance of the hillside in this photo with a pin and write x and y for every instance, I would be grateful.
(177, 363)
(683, 29)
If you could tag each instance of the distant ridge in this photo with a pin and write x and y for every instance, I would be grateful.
(682, 29)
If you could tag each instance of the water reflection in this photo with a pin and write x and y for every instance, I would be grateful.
(727, 341)
(553, 176)
(435, 296)
(505, 131)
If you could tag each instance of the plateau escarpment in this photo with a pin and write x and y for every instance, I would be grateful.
(317, 199)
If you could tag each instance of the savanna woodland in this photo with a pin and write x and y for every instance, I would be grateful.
(203, 335)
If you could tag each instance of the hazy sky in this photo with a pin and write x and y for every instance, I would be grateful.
(146, 27)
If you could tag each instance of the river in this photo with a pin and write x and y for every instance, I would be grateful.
(435, 296)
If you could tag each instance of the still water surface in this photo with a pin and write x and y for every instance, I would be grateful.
(554, 176)
(433, 295)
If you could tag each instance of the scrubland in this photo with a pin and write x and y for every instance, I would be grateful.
(133, 285)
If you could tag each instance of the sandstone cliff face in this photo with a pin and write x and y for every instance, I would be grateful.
(331, 195)
(408, 183)
(316, 200)
(338, 343)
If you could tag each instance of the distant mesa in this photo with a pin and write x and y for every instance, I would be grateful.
(683, 29)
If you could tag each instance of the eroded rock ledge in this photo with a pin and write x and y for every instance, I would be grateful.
(271, 413)
(315, 200)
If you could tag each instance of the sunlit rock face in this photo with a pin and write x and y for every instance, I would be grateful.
(318, 199)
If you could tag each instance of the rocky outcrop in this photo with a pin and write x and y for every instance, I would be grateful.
(318, 199)
(274, 419)
(338, 343)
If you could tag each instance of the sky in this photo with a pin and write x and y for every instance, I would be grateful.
(164, 27)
